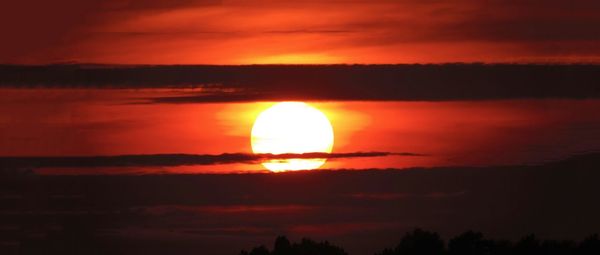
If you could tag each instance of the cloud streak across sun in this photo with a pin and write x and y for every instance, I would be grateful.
(165, 160)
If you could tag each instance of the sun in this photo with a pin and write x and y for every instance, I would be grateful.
(292, 127)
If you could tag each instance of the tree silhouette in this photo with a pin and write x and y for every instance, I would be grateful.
(418, 242)
(283, 246)
(556, 247)
(469, 243)
(528, 245)
(310, 247)
(589, 246)
(260, 250)
(500, 247)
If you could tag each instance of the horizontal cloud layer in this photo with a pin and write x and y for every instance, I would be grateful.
(322, 82)
(163, 160)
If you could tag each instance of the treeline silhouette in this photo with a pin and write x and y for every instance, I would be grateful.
(305, 247)
(421, 242)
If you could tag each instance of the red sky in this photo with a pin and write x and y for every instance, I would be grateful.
(268, 31)
(89, 122)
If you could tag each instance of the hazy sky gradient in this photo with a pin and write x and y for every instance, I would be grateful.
(267, 31)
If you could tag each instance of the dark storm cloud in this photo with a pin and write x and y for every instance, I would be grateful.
(163, 160)
(322, 82)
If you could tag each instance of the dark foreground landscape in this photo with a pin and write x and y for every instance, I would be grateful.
(362, 211)
(425, 242)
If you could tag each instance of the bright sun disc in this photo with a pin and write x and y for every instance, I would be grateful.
(292, 127)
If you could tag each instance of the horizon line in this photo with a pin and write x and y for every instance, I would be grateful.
(482, 63)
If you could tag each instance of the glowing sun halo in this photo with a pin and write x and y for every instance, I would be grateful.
(292, 127)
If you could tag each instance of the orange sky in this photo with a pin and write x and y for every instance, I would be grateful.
(90, 122)
(269, 31)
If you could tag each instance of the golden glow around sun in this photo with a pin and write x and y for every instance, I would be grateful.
(292, 127)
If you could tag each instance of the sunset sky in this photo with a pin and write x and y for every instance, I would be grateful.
(88, 122)
(316, 32)
(177, 127)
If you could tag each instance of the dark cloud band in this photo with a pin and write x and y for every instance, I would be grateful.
(165, 160)
(323, 82)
